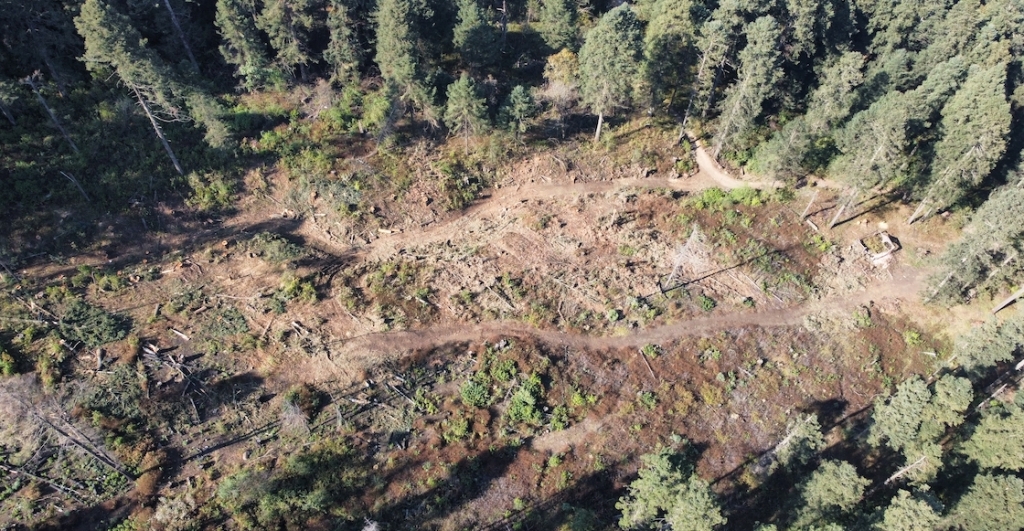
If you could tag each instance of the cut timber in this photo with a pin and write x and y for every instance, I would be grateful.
(879, 247)
(31, 82)
(1009, 300)
(809, 205)
(159, 132)
(179, 334)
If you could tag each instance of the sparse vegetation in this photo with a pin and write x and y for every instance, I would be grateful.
(467, 265)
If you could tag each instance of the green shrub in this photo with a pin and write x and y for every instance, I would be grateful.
(745, 195)
(560, 418)
(210, 191)
(503, 370)
(425, 402)
(475, 394)
(8, 366)
(459, 186)
(458, 429)
(524, 404)
(91, 325)
(293, 287)
(648, 399)
(273, 248)
(710, 199)
(706, 303)
(227, 321)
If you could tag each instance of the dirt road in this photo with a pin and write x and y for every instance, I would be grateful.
(502, 199)
(369, 348)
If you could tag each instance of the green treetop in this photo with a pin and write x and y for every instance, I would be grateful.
(475, 38)
(241, 45)
(609, 63)
(518, 108)
(558, 23)
(465, 111)
(342, 53)
(668, 489)
(759, 73)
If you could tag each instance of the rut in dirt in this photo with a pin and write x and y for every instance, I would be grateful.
(369, 348)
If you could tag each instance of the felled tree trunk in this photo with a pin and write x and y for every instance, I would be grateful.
(159, 132)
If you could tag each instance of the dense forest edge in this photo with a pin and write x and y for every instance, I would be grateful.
(511, 264)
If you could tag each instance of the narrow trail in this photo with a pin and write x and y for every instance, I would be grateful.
(368, 348)
(501, 200)
(709, 167)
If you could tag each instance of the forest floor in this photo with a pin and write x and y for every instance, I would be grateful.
(571, 266)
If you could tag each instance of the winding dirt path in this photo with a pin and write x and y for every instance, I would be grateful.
(501, 200)
(905, 283)
(490, 217)
(709, 167)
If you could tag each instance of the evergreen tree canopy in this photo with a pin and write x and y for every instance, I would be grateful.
(465, 111)
(757, 79)
(475, 38)
(609, 62)
(974, 126)
(833, 488)
(518, 108)
(993, 502)
(907, 512)
(668, 48)
(343, 52)
(241, 45)
(288, 24)
(668, 488)
(396, 52)
(558, 23)
(987, 256)
(998, 440)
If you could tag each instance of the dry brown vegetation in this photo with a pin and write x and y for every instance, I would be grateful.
(478, 343)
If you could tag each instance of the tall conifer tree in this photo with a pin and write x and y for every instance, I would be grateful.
(609, 63)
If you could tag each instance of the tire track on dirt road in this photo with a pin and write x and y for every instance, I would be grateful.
(370, 348)
(501, 200)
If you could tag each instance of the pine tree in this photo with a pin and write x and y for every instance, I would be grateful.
(975, 123)
(759, 73)
(783, 155)
(802, 443)
(907, 512)
(609, 62)
(397, 59)
(668, 48)
(518, 109)
(242, 46)
(988, 255)
(997, 440)
(288, 24)
(342, 53)
(558, 23)
(810, 22)
(465, 112)
(993, 502)
(668, 488)
(112, 42)
(833, 488)
(913, 421)
(475, 38)
(396, 52)
(992, 342)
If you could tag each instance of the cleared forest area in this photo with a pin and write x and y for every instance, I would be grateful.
(424, 264)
